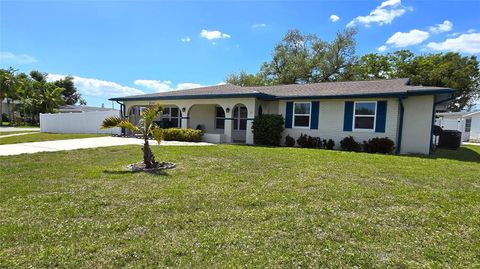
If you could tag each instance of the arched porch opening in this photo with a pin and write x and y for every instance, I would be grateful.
(239, 123)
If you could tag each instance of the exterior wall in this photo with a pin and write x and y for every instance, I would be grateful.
(417, 124)
(475, 130)
(330, 121)
(204, 115)
(187, 104)
(86, 122)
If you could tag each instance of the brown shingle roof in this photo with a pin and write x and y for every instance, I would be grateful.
(324, 89)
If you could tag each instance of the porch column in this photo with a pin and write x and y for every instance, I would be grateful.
(185, 121)
(228, 124)
(249, 136)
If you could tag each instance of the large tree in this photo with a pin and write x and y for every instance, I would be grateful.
(70, 93)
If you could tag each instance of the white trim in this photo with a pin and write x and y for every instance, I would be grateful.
(374, 117)
(309, 115)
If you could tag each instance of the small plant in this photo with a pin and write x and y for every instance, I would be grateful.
(146, 127)
(5, 117)
(379, 145)
(349, 144)
(289, 141)
(329, 144)
(185, 135)
(306, 141)
(267, 129)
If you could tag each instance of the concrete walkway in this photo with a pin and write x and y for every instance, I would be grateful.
(18, 129)
(83, 143)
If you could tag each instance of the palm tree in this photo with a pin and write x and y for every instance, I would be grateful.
(145, 127)
(7, 85)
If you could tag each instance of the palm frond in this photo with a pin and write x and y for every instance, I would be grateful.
(111, 122)
(150, 113)
(157, 134)
(128, 125)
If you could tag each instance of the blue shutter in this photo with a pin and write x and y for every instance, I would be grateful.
(348, 116)
(289, 115)
(381, 116)
(314, 115)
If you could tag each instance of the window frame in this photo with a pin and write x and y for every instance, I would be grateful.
(309, 115)
(178, 118)
(236, 127)
(219, 118)
(468, 125)
(374, 116)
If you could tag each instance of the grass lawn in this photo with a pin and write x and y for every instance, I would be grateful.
(37, 137)
(240, 206)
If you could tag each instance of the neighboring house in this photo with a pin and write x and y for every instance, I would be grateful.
(80, 108)
(332, 110)
(7, 106)
(466, 122)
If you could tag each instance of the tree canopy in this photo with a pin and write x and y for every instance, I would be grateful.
(300, 58)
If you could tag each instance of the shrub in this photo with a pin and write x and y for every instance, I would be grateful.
(267, 129)
(306, 141)
(349, 144)
(185, 135)
(289, 141)
(330, 144)
(5, 117)
(379, 145)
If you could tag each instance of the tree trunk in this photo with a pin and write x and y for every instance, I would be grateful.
(148, 158)
(1, 109)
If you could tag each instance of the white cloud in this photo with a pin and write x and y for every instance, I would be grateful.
(383, 14)
(211, 35)
(334, 18)
(413, 37)
(9, 57)
(259, 25)
(98, 88)
(185, 39)
(446, 26)
(165, 86)
(382, 48)
(466, 43)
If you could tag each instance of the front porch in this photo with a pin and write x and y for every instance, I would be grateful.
(226, 121)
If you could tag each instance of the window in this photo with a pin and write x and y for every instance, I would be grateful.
(260, 111)
(219, 118)
(468, 125)
(172, 116)
(364, 116)
(301, 115)
(240, 118)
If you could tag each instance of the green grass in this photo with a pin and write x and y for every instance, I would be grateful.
(37, 137)
(240, 206)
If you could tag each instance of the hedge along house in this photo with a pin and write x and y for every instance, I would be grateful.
(331, 110)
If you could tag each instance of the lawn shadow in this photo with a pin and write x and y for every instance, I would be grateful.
(463, 154)
(127, 172)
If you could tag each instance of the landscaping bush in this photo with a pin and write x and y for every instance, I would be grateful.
(289, 141)
(5, 118)
(330, 144)
(267, 129)
(185, 135)
(349, 144)
(379, 145)
(306, 141)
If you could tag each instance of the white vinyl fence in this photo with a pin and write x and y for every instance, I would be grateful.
(82, 123)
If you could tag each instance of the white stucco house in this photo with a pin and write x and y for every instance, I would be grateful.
(466, 122)
(332, 110)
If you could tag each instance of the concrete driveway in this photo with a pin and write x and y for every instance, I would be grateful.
(83, 143)
(18, 129)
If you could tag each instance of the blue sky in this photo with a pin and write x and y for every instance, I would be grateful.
(116, 48)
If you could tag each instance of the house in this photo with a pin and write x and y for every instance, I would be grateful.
(80, 109)
(331, 110)
(466, 122)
